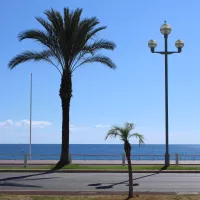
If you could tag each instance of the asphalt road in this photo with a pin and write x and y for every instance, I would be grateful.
(144, 182)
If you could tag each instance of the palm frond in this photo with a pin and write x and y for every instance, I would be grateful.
(35, 34)
(117, 131)
(77, 59)
(114, 132)
(56, 66)
(59, 19)
(67, 19)
(88, 24)
(71, 21)
(28, 55)
(47, 40)
(67, 23)
(56, 20)
(68, 39)
(73, 35)
(124, 133)
(129, 126)
(84, 28)
(46, 25)
(93, 33)
(138, 136)
(99, 59)
(75, 20)
(59, 30)
(98, 45)
(67, 46)
(118, 128)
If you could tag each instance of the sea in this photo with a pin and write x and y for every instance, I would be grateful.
(99, 151)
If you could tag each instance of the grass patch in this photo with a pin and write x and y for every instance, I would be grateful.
(105, 167)
(101, 197)
(135, 167)
(48, 167)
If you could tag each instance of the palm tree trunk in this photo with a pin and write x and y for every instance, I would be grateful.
(130, 195)
(127, 148)
(65, 132)
(65, 95)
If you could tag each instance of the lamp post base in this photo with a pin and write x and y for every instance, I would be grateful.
(167, 160)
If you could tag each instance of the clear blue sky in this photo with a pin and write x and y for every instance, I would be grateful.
(103, 97)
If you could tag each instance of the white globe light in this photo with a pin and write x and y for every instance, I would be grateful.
(165, 29)
(179, 44)
(152, 44)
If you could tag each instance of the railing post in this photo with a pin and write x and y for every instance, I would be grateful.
(176, 158)
(70, 158)
(25, 160)
(123, 159)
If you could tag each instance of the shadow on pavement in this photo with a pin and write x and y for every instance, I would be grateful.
(122, 182)
(26, 176)
(32, 179)
(163, 168)
(111, 185)
(95, 184)
(135, 184)
(18, 185)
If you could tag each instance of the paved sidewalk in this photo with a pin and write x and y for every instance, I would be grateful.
(97, 162)
(95, 182)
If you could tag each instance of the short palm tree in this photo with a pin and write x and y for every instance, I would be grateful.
(124, 133)
(68, 43)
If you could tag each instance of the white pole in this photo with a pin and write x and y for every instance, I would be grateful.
(30, 117)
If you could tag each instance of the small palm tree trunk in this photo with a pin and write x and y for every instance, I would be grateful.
(128, 156)
(130, 195)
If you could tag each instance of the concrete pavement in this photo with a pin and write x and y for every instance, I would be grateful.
(95, 182)
(96, 162)
(82, 162)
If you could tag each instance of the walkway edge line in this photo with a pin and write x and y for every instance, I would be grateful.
(101, 171)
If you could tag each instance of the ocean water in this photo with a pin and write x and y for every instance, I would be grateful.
(99, 151)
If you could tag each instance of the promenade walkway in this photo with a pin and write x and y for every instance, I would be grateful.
(96, 162)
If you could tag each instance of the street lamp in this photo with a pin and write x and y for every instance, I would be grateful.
(165, 29)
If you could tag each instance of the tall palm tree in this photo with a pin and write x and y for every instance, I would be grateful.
(68, 43)
(124, 133)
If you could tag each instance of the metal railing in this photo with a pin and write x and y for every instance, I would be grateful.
(189, 157)
(96, 156)
(147, 157)
(30, 157)
(181, 157)
(26, 158)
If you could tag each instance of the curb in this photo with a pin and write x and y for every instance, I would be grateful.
(78, 193)
(90, 193)
(103, 171)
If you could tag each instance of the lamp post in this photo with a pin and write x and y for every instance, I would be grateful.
(165, 29)
(30, 148)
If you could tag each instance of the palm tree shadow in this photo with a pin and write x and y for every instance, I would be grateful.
(26, 176)
(132, 198)
(95, 184)
(18, 185)
(60, 165)
(105, 187)
(163, 168)
(134, 184)
(34, 179)
(112, 185)
(122, 182)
